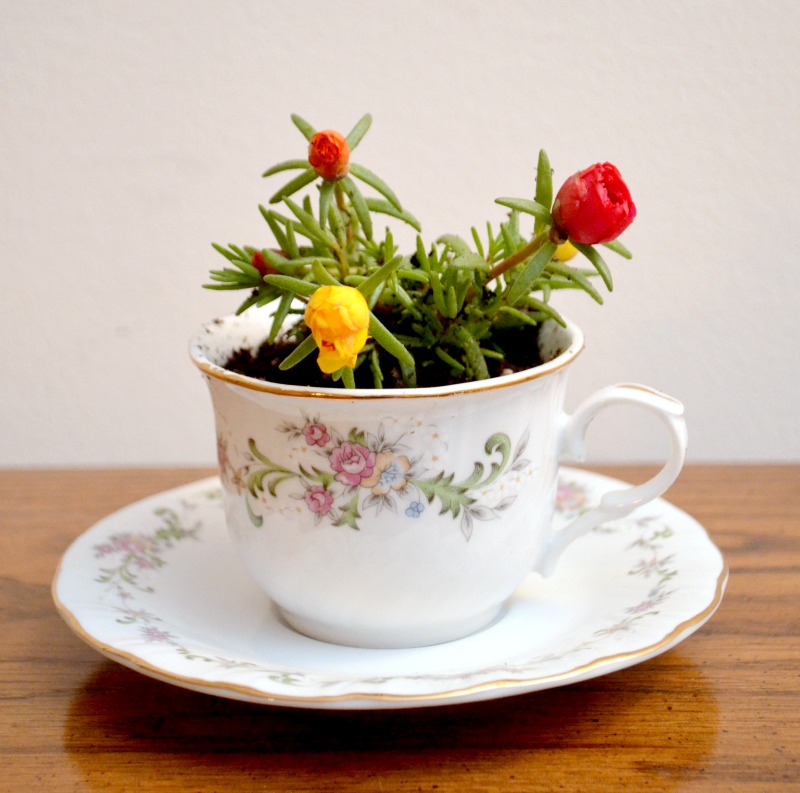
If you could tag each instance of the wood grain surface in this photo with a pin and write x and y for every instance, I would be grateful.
(719, 712)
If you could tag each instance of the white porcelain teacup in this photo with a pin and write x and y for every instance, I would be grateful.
(400, 518)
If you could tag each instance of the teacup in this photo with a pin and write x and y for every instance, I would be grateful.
(406, 517)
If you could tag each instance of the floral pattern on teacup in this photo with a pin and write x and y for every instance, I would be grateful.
(338, 476)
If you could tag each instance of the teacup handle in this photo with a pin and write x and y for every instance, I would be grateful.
(617, 503)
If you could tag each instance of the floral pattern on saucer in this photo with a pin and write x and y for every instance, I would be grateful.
(129, 587)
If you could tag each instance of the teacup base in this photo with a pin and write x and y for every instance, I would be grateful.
(391, 637)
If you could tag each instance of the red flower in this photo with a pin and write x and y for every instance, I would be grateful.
(594, 205)
(329, 154)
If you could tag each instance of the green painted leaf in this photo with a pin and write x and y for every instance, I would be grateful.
(350, 514)
(453, 497)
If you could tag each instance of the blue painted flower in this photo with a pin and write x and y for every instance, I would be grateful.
(415, 509)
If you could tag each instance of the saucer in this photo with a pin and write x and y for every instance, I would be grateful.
(158, 587)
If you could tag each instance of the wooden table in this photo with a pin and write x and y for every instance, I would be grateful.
(719, 712)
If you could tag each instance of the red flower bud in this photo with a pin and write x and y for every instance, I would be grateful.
(594, 205)
(329, 154)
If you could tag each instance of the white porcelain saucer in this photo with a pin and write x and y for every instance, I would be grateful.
(158, 587)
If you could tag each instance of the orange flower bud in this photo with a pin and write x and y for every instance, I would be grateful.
(338, 317)
(329, 154)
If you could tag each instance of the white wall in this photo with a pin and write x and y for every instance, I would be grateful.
(133, 134)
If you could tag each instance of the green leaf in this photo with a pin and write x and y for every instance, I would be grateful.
(520, 316)
(386, 339)
(304, 127)
(229, 255)
(291, 242)
(478, 244)
(542, 306)
(347, 377)
(279, 317)
(325, 196)
(472, 353)
(619, 248)
(311, 225)
(470, 261)
(289, 284)
(286, 165)
(455, 365)
(544, 188)
(578, 278)
(375, 366)
(358, 132)
(455, 243)
(451, 302)
(376, 279)
(522, 284)
(385, 208)
(277, 232)
(324, 278)
(374, 181)
(359, 205)
(299, 353)
(597, 260)
(294, 185)
(526, 205)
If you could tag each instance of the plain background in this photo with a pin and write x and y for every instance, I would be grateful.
(134, 133)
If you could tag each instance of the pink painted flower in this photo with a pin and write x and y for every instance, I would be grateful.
(318, 500)
(353, 463)
(316, 434)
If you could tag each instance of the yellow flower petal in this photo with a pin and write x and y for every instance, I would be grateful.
(338, 317)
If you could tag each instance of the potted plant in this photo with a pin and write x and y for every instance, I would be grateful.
(390, 423)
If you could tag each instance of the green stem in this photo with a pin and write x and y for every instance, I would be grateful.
(341, 203)
(347, 377)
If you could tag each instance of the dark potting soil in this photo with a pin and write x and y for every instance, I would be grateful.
(519, 344)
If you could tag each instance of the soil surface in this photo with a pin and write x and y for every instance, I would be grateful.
(520, 346)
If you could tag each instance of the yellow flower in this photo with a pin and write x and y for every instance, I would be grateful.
(565, 252)
(338, 317)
